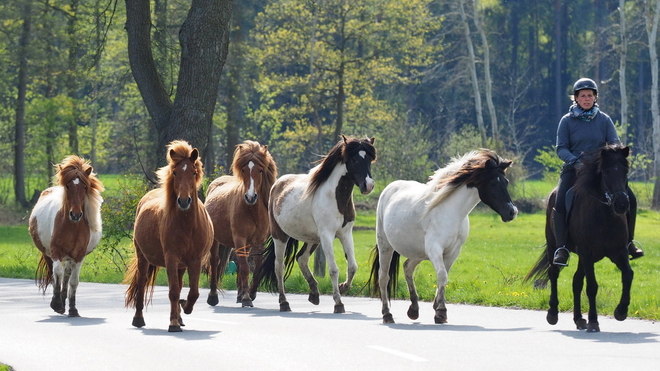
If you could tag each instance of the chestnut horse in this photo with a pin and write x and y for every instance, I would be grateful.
(172, 230)
(65, 225)
(316, 208)
(238, 206)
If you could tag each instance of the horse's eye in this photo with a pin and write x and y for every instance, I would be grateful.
(174, 173)
(261, 171)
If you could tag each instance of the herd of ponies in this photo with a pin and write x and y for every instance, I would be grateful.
(258, 219)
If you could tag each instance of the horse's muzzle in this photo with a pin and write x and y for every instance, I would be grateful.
(251, 199)
(75, 217)
(510, 214)
(184, 203)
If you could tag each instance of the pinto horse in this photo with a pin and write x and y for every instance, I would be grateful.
(238, 206)
(316, 208)
(65, 225)
(430, 222)
(597, 228)
(172, 230)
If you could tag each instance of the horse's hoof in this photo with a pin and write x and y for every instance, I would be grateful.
(138, 322)
(247, 303)
(387, 318)
(593, 327)
(213, 300)
(314, 298)
(186, 310)
(57, 307)
(552, 318)
(174, 329)
(339, 308)
(581, 324)
(284, 307)
(343, 288)
(73, 312)
(440, 319)
(413, 313)
(620, 314)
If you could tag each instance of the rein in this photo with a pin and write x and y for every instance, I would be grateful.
(609, 197)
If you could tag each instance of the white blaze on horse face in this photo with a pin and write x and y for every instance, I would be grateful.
(363, 154)
(76, 181)
(251, 191)
(185, 167)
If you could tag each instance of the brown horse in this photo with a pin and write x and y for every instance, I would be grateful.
(238, 206)
(172, 230)
(65, 225)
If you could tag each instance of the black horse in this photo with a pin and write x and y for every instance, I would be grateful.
(597, 228)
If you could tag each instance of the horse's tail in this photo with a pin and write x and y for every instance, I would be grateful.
(44, 274)
(374, 284)
(265, 274)
(540, 270)
(131, 278)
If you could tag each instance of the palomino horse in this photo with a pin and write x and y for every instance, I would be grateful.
(597, 228)
(65, 225)
(238, 206)
(430, 222)
(315, 208)
(172, 230)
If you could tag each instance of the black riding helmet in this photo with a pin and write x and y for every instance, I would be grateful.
(585, 83)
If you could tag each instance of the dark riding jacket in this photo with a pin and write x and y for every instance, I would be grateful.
(575, 136)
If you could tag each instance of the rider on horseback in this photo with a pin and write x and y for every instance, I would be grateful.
(583, 129)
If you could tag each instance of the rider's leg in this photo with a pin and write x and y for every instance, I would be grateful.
(633, 250)
(566, 180)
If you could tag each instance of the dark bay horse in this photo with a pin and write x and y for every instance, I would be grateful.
(316, 208)
(65, 225)
(597, 228)
(238, 206)
(429, 221)
(172, 230)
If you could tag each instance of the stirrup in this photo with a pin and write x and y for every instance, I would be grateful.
(637, 252)
(555, 259)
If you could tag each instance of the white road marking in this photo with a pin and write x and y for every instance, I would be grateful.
(411, 357)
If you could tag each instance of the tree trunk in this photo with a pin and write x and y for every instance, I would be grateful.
(488, 80)
(72, 78)
(204, 41)
(473, 74)
(623, 53)
(235, 66)
(20, 129)
(652, 32)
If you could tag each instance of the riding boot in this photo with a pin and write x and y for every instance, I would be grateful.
(561, 253)
(634, 250)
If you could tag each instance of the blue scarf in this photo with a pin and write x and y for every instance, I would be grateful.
(577, 112)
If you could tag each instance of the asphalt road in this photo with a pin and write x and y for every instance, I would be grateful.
(228, 337)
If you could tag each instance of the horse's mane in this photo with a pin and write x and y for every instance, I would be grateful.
(250, 150)
(588, 176)
(471, 169)
(73, 167)
(177, 151)
(339, 154)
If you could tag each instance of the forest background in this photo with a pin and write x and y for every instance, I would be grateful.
(429, 80)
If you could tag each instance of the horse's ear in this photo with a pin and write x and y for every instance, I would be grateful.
(88, 172)
(265, 147)
(506, 163)
(626, 151)
(344, 138)
(372, 140)
(194, 155)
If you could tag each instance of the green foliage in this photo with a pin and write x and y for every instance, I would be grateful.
(551, 164)
(118, 211)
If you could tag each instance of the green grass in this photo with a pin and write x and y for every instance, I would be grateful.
(489, 271)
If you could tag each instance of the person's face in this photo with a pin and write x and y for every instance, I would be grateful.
(586, 99)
